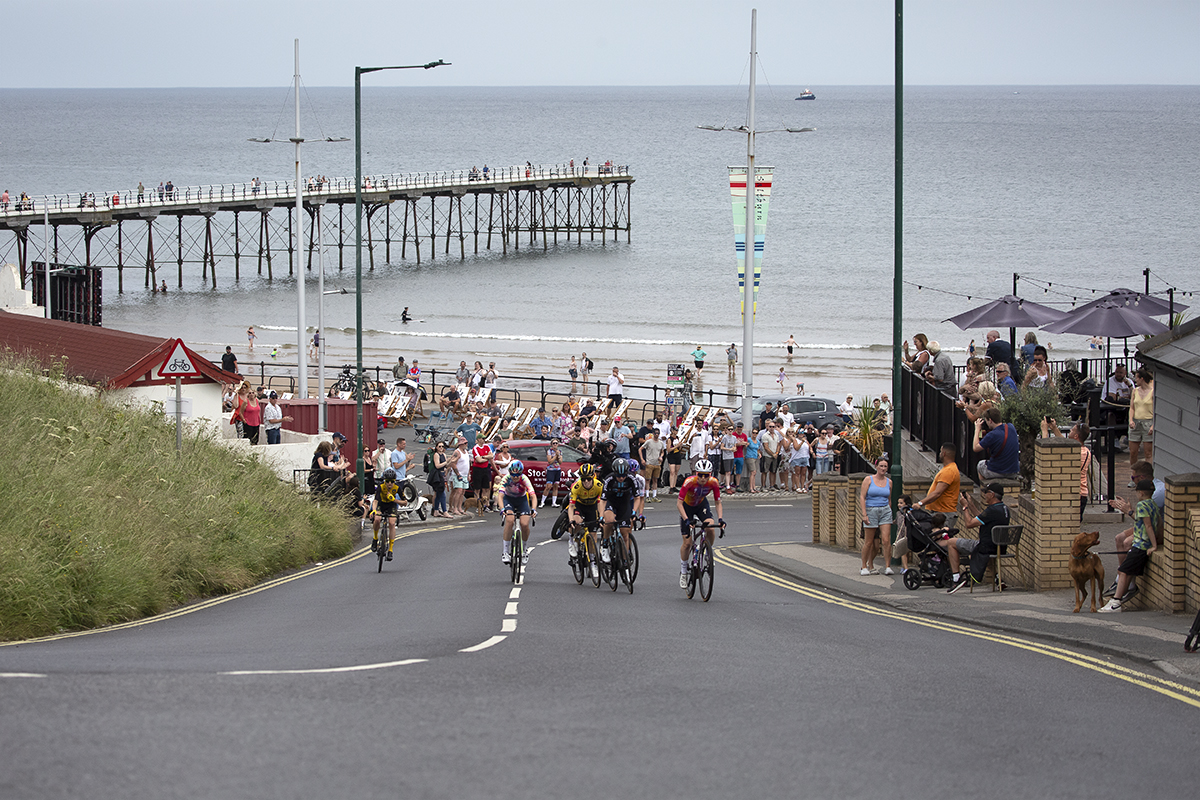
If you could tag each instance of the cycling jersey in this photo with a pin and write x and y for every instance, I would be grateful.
(516, 486)
(619, 491)
(586, 496)
(695, 491)
(387, 491)
(641, 486)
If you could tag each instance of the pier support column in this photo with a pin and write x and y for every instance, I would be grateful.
(237, 250)
(179, 220)
(120, 260)
(151, 274)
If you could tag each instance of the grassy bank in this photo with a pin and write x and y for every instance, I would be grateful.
(101, 522)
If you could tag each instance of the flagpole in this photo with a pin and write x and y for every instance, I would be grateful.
(749, 287)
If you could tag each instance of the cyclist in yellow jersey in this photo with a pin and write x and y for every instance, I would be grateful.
(385, 506)
(585, 504)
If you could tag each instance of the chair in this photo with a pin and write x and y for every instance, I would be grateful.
(1005, 536)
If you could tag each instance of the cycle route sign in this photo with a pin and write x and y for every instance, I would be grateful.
(178, 363)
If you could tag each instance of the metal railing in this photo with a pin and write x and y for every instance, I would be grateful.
(248, 191)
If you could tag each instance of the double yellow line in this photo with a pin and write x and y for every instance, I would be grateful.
(216, 601)
(1163, 686)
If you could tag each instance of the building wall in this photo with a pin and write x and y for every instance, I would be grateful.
(205, 397)
(1176, 425)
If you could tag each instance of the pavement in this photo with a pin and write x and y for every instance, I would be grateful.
(1151, 638)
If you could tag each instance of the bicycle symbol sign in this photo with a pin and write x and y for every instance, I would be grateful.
(178, 363)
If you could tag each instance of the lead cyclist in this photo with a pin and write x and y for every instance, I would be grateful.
(692, 503)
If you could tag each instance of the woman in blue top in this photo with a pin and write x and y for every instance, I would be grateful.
(875, 497)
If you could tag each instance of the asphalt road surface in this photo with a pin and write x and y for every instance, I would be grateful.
(439, 678)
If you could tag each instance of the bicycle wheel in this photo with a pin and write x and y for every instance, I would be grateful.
(705, 577)
(518, 553)
(579, 565)
(610, 570)
(382, 545)
(631, 563)
(594, 559)
(561, 525)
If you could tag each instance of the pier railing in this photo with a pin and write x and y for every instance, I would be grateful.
(314, 188)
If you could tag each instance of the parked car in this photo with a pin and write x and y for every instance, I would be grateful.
(820, 411)
(532, 453)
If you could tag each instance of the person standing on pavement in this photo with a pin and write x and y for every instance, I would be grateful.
(652, 454)
(943, 492)
(698, 448)
(401, 460)
(273, 418)
(875, 497)
(616, 387)
(229, 361)
(769, 442)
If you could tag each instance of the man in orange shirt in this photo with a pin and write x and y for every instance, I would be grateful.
(943, 493)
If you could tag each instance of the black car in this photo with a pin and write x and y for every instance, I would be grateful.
(820, 411)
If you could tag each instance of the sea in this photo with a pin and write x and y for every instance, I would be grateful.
(1075, 189)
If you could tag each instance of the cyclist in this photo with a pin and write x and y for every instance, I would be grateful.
(385, 507)
(583, 506)
(519, 502)
(639, 502)
(620, 492)
(692, 503)
(602, 457)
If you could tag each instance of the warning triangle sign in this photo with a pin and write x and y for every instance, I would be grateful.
(179, 363)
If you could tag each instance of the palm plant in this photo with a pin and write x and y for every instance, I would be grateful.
(865, 431)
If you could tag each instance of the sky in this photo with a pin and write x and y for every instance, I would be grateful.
(249, 43)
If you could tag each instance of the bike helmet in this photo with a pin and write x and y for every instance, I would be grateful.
(516, 467)
(587, 471)
(704, 466)
(633, 466)
(389, 474)
(620, 467)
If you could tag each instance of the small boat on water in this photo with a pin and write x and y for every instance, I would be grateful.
(807, 95)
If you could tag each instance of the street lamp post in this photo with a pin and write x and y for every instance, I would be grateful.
(749, 297)
(358, 320)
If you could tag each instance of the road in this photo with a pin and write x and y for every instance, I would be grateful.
(339, 681)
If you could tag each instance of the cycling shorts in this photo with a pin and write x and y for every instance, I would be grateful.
(519, 505)
(622, 511)
(701, 511)
(587, 513)
(386, 510)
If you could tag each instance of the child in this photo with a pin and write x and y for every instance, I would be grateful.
(900, 546)
(1145, 519)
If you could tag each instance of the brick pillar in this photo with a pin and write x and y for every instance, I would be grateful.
(843, 510)
(854, 511)
(819, 485)
(829, 508)
(1191, 594)
(1045, 548)
(1165, 582)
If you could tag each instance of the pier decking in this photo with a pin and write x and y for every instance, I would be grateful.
(424, 211)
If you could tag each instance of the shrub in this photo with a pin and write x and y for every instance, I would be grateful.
(1025, 410)
(101, 521)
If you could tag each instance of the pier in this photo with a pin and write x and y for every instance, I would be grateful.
(418, 215)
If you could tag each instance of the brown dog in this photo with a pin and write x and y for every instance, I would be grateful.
(1085, 568)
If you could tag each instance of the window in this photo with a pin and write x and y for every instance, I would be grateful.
(570, 454)
(807, 406)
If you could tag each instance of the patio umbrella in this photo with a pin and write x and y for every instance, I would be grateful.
(1007, 312)
(1145, 304)
(1111, 318)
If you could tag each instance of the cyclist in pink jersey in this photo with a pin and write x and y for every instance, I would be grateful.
(692, 503)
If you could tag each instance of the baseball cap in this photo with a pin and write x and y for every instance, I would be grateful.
(740, 425)
(996, 489)
(273, 396)
(337, 435)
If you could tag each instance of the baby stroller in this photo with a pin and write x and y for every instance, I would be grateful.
(933, 565)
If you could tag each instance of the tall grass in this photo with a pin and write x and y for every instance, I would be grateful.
(101, 521)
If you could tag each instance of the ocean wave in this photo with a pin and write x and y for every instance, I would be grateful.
(518, 337)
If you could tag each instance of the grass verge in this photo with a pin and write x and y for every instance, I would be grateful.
(102, 522)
